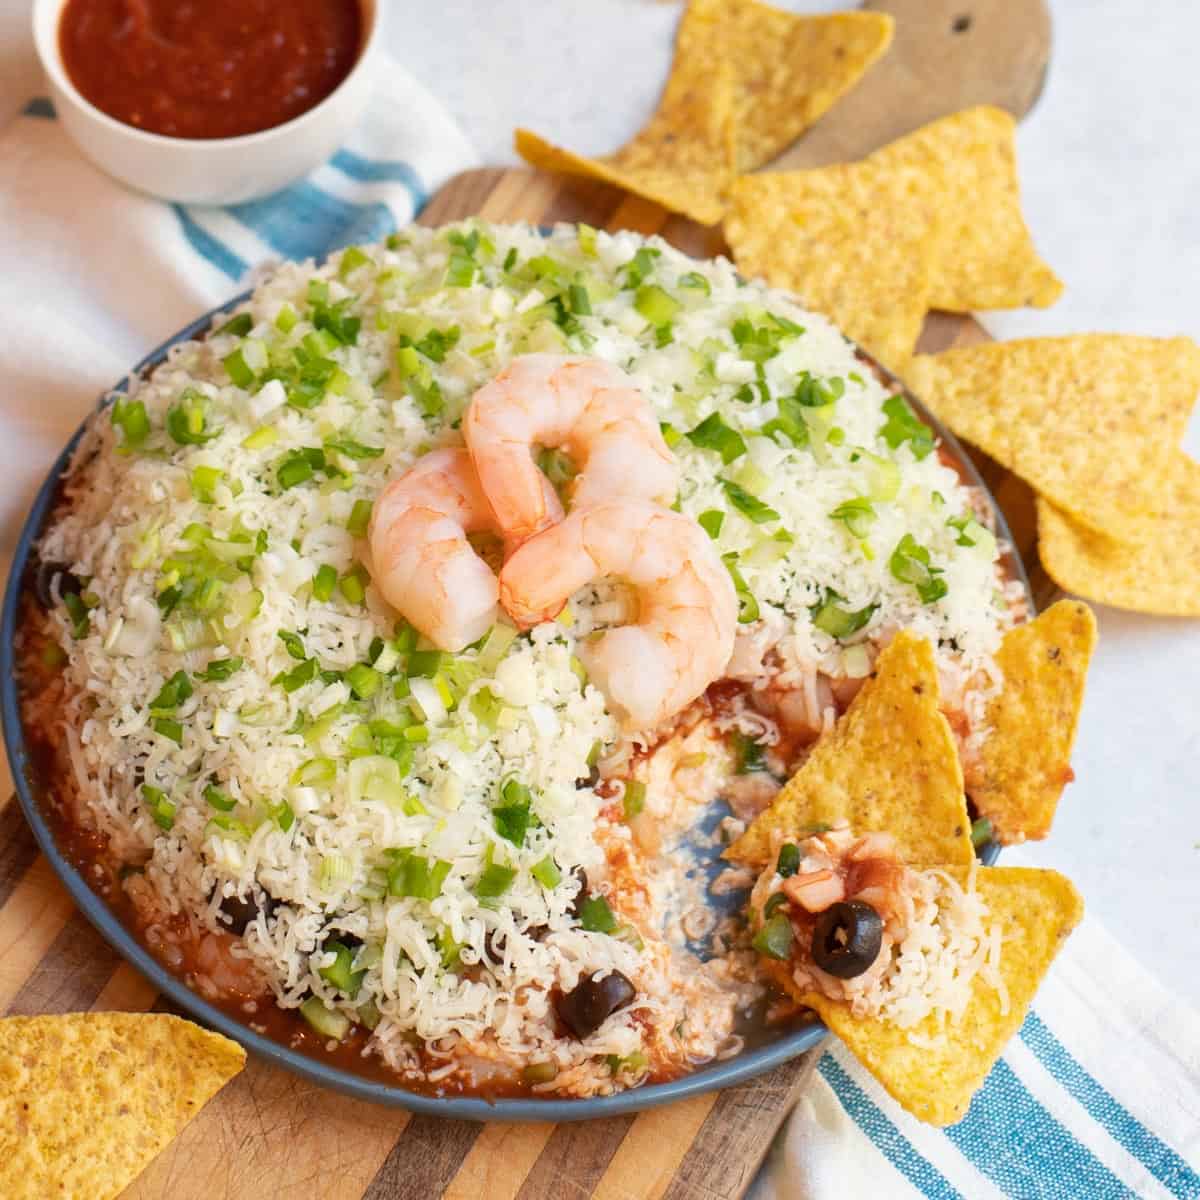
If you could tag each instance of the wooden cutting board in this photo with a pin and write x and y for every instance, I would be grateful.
(272, 1136)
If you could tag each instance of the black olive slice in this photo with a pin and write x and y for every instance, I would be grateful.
(576, 906)
(238, 911)
(43, 581)
(846, 939)
(592, 1001)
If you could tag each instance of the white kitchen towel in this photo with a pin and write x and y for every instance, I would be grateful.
(1097, 1098)
(93, 275)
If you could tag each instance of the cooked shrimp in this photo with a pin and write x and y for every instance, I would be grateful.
(421, 560)
(687, 617)
(586, 407)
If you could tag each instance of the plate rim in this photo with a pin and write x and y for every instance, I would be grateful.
(710, 1077)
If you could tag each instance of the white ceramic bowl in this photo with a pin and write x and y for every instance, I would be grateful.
(207, 171)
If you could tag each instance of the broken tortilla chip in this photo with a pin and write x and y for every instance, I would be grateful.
(1154, 568)
(746, 81)
(88, 1099)
(683, 159)
(1025, 761)
(789, 69)
(933, 1069)
(986, 257)
(1092, 422)
(890, 765)
(853, 241)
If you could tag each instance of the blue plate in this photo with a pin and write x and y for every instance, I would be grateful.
(775, 1049)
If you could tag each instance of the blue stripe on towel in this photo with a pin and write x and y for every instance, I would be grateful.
(40, 106)
(894, 1146)
(303, 221)
(1156, 1156)
(1011, 1138)
(210, 247)
(368, 170)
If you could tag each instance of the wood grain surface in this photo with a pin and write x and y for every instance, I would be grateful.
(272, 1136)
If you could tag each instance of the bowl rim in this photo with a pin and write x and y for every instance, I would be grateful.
(46, 42)
(722, 1074)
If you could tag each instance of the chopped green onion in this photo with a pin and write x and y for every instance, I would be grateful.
(239, 326)
(417, 877)
(299, 466)
(635, 798)
(981, 832)
(775, 901)
(494, 882)
(294, 644)
(364, 681)
(173, 693)
(540, 1072)
(323, 583)
(286, 319)
(227, 826)
(161, 807)
(314, 772)
(169, 729)
(260, 439)
(187, 419)
(352, 449)
(296, 678)
(216, 798)
(748, 754)
(774, 939)
(238, 369)
(840, 622)
(903, 425)
(910, 564)
(328, 1022)
(858, 515)
(352, 258)
(546, 873)
(788, 862)
(425, 664)
(714, 434)
(360, 516)
(696, 282)
(596, 916)
(129, 416)
(353, 584)
(671, 435)
(748, 505)
(340, 972)
(747, 604)
(81, 619)
(656, 305)
(639, 266)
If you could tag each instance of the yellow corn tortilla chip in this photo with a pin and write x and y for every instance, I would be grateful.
(986, 258)
(683, 159)
(746, 81)
(854, 241)
(88, 1099)
(890, 764)
(1091, 422)
(935, 1079)
(1155, 568)
(789, 69)
(1025, 761)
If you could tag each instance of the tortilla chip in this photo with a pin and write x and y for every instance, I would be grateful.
(1025, 762)
(986, 258)
(789, 69)
(1155, 568)
(746, 81)
(684, 158)
(88, 1099)
(1092, 422)
(890, 764)
(935, 1080)
(855, 242)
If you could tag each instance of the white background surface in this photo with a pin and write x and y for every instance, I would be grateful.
(1110, 165)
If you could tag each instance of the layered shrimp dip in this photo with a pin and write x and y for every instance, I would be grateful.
(462, 867)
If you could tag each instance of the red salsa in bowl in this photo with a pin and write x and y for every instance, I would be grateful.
(208, 68)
